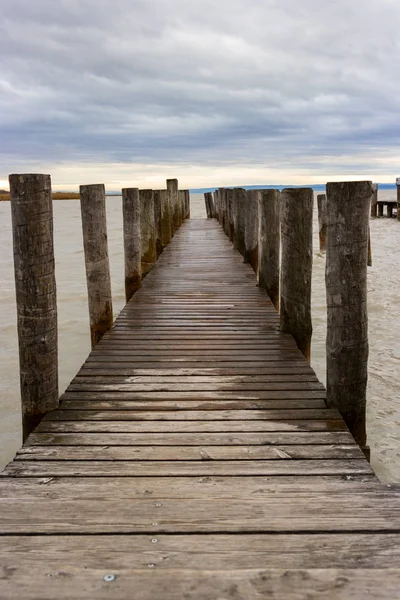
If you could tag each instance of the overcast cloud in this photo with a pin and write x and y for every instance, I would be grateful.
(217, 91)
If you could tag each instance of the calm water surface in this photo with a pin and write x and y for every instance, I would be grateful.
(74, 344)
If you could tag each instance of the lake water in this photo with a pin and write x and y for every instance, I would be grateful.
(383, 417)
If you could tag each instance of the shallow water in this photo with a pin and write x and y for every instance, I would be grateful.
(74, 344)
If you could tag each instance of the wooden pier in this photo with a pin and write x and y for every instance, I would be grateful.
(193, 457)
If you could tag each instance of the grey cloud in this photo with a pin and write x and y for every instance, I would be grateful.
(233, 81)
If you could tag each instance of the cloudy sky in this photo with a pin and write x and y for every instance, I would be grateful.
(214, 92)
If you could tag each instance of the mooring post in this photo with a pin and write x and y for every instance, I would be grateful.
(222, 207)
(157, 220)
(230, 219)
(239, 218)
(35, 287)
(187, 204)
(172, 188)
(398, 197)
(251, 229)
(94, 226)
(269, 243)
(148, 230)
(132, 241)
(296, 265)
(217, 206)
(321, 200)
(207, 201)
(346, 293)
(182, 205)
(374, 200)
(165, 218)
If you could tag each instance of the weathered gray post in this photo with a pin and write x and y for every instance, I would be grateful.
(374, 200)
(208, 203)
(296, 265)
(157, 220)
(346, 293)
(269, 244)
(182, 204)
(239, 218)
(217, 206)
(251, 229)
(35, 286)
(222, 206)
(398, 197)
(165, 223)
(187, 204)
(132, 241)
(321, 200)
(230, 226)
(172, 187)
(148, 230)
(94, 225)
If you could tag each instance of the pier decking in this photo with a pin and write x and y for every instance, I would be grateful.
(193, 456)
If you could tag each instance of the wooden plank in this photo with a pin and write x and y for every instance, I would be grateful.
(189, 439)
(171, 453)
(196, 395)
(179, 405)
(181, 468)
(229, 551)
(191, 415)
(253, 584)
(188, 426)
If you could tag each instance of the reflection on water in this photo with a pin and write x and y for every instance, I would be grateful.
(74, 344)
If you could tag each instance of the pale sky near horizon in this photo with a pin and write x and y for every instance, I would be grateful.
(214, 92)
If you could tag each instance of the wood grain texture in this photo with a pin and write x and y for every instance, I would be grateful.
(132, 241)
(269, 243)
(194, 456)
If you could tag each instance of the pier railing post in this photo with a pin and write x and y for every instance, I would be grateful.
(157, 220)
(296, 265)
(239, 218)
(172, 189)
(35, 286)
(230, 222)
(346, 292)
(217, 207)
(374, 200)
(321, 200)
(187, 204)
(251, 229)
(165, 218)
(94, 225)
(398, 197)
(269, 244)
(182, 205)
(148, 230)
(132, 241)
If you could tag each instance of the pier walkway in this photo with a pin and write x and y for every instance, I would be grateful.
(193, 457)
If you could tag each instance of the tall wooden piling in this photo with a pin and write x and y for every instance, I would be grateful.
(251, 228)
(217, 209)
(35, 287)
(321, 200)
(346, 292)
(157, 220)
(172, 188)
(222, 207)
(230, 215)
(269, 243)
(398, 197)
(239, 218)
(94, 225)
(148, 231)
(132, 241)
(187, 204)
(182, 204)
(374, 200)
(165, 218)
(208, 203)
(296, 265)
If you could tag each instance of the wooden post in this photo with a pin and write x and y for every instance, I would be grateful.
(187, 204)
(172, 187)
(374, 200)
(148, 231)
(269, 244)
(389, 210)
(369, 261)
(239, 218)
(296, 265)
(35, 287)
(230, 227)
(207, 200)
(157, 220)
(380, 210)
(94, 225)
(182, 205)
(165, 223)
(398, 197)
(346, 292)
(251, 229)
(321, 199)
(132, 241)
(217, 206)
(222, 207)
